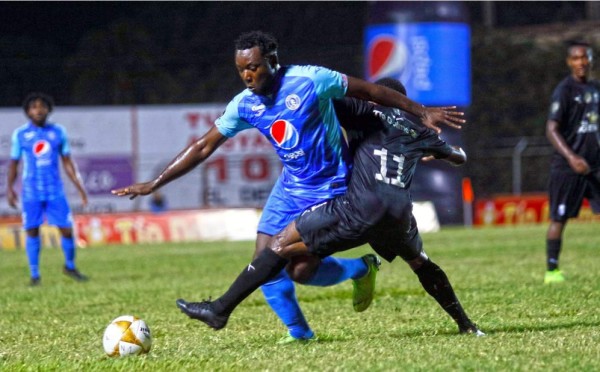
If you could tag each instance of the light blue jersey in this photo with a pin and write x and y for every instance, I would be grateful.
(300, 122)
(41, 149)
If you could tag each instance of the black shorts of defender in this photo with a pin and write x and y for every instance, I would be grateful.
(384, 220)
(566, 191)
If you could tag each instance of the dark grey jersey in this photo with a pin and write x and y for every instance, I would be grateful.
(576, 107)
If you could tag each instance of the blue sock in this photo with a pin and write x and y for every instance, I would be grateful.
(32, 247)
(280, 294)
(335, 270)
(68, 247)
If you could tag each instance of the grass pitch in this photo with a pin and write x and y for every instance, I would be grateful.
(497, 274)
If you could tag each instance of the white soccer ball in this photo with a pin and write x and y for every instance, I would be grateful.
(127, 335)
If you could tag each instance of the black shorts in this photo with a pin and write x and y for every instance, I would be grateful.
(566, 193)
(384, 220)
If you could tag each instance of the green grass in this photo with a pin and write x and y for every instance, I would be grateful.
(497, 274)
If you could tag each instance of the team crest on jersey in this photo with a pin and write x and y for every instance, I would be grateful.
(555, 106)
(284, 134)
(292, 102)
(41, 147)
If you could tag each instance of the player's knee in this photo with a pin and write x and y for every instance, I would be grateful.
(33, 233)
(418, 262)
(66, 232)
(302, 268)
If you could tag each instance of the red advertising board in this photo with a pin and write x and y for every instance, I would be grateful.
(517, 210)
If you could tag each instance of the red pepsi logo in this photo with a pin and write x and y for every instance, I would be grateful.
(387, 57)
(41, 147)
(284, 134)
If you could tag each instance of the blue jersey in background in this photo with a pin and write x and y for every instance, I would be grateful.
(41, 149)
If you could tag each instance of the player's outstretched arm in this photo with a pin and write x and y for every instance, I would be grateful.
(431, 117)
(75, 177)
(11, 195)
(184, 162)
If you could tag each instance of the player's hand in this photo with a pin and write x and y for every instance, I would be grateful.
(433, 116)
(134, 190)
(427, 158)
(579, 165)
(84, 199)
(12, 198)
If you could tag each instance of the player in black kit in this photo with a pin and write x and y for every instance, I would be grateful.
(572, 128)
(377, 209)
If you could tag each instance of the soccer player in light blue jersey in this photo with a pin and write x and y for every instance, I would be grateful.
(41, 144)
(292, 107)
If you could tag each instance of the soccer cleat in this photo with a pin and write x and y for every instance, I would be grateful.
(553, 276)
(204, 312)
(364, 287)
(75, 274)
(34, 282)
(471, 330)
(289, 339)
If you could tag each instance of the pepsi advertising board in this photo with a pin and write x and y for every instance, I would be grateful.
(432, 60)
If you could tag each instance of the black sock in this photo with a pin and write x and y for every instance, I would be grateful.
(264, 267)
(552, 253)
(436, 283)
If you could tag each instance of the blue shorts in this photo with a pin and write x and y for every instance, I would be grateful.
(57, 213)
(282, 208)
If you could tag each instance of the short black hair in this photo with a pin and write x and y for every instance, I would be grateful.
(577, 43)
(34, 96)
(263, 40)
(394, 84)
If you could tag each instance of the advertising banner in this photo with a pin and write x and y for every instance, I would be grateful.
(519, 210)
(432, 59)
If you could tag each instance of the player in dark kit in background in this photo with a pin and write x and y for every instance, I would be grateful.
(572, 128)
(377, 209)
(41, 144)
(291, 106)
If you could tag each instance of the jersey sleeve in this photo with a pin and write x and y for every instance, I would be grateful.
(65, 147)
(15, 146)
(558, 103)
(230, 123)
(436, 146)
(329, 83)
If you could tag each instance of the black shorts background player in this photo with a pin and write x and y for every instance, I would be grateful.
(377, 209)
(572, 128)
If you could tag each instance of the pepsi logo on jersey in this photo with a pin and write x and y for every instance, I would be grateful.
(284, 134)
(41, 147)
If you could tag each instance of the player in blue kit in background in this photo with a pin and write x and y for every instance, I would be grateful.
(41, 144)
(292, 107)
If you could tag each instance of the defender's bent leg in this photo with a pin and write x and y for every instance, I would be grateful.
(266, 266)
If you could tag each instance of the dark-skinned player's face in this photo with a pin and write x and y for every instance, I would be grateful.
(579, 62)
(38, 112)
(257, 71)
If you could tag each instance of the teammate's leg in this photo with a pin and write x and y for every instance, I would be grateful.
(32, 217)
(554, 244)
(59, 214)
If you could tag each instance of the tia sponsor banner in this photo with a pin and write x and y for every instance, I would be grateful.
(432, 60)
(518, 210)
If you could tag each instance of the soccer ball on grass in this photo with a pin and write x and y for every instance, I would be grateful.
(127, 335)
